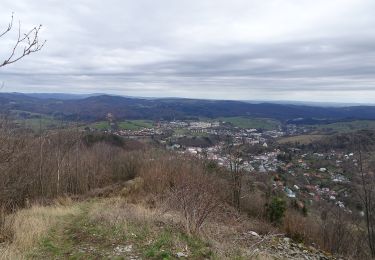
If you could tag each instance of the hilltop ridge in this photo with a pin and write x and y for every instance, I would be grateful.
(96, 107)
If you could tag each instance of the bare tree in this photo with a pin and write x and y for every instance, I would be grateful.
(367, 197)
(234, 155)
(26, 43)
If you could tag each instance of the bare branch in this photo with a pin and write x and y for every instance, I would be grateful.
(29, 41)
(10, 25)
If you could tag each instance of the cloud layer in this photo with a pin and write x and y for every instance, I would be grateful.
(241, 49)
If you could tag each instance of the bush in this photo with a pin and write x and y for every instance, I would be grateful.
(253, 204)
(125, 167)
(300, 228)
(276, 210)
(182, 185)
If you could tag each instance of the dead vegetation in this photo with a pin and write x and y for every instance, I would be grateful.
(26, 227)
(58, 163)
(148, 188)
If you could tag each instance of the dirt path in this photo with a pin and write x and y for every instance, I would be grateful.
(77, 237)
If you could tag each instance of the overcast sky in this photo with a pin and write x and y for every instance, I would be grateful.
(310, 50)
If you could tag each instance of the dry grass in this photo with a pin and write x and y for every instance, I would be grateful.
(29, 226)
(118, 212)
(302, 139)
(253, 204)
(301, 228)
(225, 233)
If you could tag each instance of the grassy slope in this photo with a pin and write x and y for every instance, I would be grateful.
(122, 232)
(125, 125)
(101, 125)
(321, 131)
(44, 123)
(302, 139)
(34, 123)
(83, 230)
(245, 122)
(343, 127)
(29, 226)
(135, 124)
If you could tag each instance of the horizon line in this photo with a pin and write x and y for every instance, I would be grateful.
(279, 101)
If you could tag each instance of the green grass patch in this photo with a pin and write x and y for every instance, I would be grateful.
(124, 125)
(161, 247)
(40, 123)
(100, 125)
(247, 122)
(36, 121)
(79, 238)
(301, 139)
(135, 124)
(168, 242)
(83, 237)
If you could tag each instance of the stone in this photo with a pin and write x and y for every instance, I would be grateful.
(253, 233)
(180, 255)
(123, 249)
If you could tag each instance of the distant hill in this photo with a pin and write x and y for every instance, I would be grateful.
(96, 107)
(61, 96)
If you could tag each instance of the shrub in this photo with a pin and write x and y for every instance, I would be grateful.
(182, 185)
(197, 197)
(276, 210)
(298, 227)
(125, 167)
(253, 204)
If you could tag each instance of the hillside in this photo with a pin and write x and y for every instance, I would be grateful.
(82, 230)
(97, 107)
(76, 194)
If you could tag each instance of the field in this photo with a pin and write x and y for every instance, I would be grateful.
(246, 122)
(43, 123)
(302, 139)
(135, 124)
(101, 125)
(36, 121)
(124, 125)
(344, 127)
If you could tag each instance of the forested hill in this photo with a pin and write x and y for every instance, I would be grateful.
(97, 106)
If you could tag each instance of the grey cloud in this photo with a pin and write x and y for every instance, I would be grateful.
(242, 49)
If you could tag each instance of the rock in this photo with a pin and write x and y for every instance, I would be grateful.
(253, 233)
(180, 254)
(128, 248)
(123, 249)
(286, 239)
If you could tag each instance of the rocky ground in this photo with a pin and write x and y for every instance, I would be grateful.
(284, 248)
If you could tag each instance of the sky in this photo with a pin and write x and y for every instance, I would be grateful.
(305, 50)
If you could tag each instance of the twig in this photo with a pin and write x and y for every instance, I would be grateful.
(29, 40)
